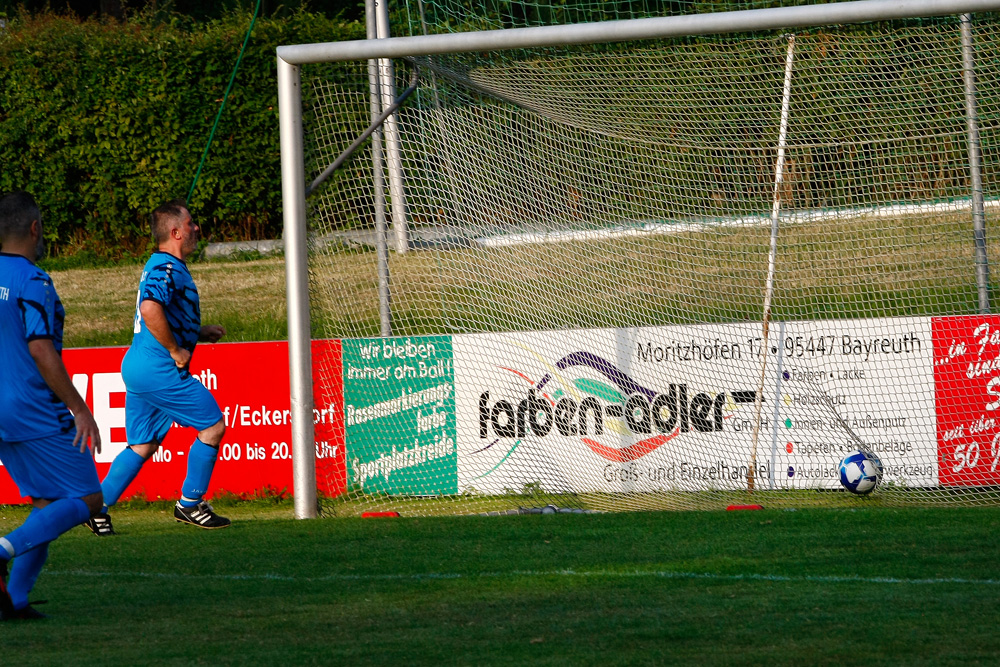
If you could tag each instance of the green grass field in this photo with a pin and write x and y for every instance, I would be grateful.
(862, 587)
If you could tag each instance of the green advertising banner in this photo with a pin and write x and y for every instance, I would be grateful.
(399, 414)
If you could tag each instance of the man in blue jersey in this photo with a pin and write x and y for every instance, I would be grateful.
(44, 422)
(159, 388)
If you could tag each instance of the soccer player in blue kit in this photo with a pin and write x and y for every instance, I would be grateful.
(159, 388)
(44, 422)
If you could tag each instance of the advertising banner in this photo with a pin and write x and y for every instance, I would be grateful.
(399, 415)
(967, 382)
(874, 377)
(328, 417)
(608, 410)
(250, 383)
(674, 408)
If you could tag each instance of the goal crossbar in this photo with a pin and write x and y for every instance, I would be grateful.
(749, 20)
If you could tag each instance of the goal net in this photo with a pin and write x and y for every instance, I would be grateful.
(678, 273)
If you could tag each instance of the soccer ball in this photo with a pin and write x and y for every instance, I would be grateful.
(860, 472)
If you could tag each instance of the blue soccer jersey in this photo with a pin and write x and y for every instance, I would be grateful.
(29, 310)
(167, 281)
(158, 392)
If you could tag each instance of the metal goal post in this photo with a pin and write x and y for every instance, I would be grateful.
(290, 58)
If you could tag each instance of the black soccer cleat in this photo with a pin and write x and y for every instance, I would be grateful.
(6, 605)
(100, 525)
(28, 613)
(201, 515)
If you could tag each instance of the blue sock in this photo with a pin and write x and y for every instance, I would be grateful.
(44, 525)
(24, 572)
(201, 461)
(123, 470)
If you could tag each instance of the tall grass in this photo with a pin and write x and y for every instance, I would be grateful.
(248, 298)
(917, 265)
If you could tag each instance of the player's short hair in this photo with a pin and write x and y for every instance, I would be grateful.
(160, 219)
(17, 211)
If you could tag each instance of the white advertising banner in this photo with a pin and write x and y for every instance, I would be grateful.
(880, 384)
(673, 408)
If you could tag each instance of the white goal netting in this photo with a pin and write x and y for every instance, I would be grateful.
(579, 318)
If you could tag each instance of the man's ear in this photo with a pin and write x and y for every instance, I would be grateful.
(35, 230)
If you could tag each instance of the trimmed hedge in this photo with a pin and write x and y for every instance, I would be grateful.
(102, 122)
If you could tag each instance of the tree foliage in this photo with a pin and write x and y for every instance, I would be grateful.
(103, 121)
(196, 9)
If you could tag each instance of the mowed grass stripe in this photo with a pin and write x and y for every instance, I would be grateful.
(872, 585)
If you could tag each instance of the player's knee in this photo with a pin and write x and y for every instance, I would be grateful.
(94, 502)
(145, 451)
(212, 436)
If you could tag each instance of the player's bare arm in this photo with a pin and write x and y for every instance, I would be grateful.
(53, 371)
(156, 323)
(211, 333)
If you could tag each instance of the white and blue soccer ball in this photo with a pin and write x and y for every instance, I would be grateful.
(860, 472)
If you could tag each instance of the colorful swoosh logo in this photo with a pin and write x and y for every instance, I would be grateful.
(621, 385)
(632, 452)
(626, 386)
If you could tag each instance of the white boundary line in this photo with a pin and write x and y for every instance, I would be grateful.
(527, 574)
(679, 227)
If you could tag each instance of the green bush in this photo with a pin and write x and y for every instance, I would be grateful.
(101, 122)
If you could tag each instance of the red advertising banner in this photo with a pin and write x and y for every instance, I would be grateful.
(250, 383)
(967, 399)
(328, 416)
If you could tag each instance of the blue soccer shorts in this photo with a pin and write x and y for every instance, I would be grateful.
(51, 467)
(177, 397)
